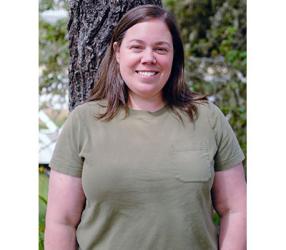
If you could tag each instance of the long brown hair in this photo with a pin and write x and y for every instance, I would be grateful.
(110, 85)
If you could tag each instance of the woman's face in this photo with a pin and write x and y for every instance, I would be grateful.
(145, 58)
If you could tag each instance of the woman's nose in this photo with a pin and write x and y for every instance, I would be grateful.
(148, 57)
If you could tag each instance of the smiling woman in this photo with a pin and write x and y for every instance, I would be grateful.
(127, 173)
(145, 63)
(144, 45)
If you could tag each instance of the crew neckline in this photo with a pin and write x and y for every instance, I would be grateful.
(148, 113)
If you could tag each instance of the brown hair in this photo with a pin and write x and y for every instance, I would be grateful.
(110, 85)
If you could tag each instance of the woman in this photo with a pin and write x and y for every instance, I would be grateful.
(145, 161)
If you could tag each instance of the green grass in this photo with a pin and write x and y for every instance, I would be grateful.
(43, 196)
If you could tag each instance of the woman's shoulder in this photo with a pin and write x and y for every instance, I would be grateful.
(87, 109)
(209, 111)
(207, 108)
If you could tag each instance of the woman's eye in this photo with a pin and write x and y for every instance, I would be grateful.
(161, 50)
(136, 48)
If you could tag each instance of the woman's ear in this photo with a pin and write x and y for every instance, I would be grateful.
(116, 49)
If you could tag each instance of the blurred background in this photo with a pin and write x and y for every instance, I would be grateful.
(214, 36)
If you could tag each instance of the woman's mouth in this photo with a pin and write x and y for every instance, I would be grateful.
(146, 73)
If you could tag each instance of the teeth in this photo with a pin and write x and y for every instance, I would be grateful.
(144, 73)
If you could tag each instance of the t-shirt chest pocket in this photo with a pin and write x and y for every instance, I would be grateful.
(191, 163)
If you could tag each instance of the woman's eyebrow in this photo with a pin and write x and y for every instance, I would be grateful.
(163, 43)
(156, 43)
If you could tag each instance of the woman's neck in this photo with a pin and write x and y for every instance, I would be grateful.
(151, 104)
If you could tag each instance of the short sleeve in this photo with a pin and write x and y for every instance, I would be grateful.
(228, 152)
(66, 156)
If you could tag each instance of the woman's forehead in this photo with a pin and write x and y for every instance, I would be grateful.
(152, 30)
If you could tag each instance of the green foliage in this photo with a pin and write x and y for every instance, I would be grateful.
(53, 57)
(43, 196)
(214, 36)
(46, 5)
(52, 4)
(53, 52)
(216, 219)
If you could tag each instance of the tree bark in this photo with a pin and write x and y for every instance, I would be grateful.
(89, 32)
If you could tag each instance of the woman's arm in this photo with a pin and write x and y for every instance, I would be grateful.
(65, 204)
(229, 198)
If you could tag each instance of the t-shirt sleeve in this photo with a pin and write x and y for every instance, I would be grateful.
(66, 156)
(228, 152)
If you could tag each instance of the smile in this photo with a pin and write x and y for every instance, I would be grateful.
(146, 73)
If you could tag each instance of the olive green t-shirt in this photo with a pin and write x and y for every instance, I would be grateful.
(147, 177)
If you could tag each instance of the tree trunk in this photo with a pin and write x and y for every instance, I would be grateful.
(89, 32)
